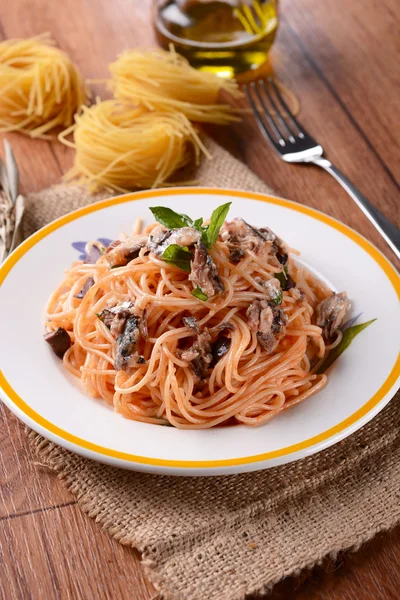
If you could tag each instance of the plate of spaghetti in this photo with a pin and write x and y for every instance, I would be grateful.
(196, 331)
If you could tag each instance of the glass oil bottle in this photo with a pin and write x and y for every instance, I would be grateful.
(226, 37)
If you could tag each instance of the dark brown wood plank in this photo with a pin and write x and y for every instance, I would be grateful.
(37, 164)
(24, 485)
(329, 124)
(356, 46)
(62, 554)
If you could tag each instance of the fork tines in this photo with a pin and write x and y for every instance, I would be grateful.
(273, 116)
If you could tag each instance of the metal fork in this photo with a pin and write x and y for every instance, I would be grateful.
(294, 145)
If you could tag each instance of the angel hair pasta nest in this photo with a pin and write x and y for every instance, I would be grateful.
(120, 147)
(40, 88)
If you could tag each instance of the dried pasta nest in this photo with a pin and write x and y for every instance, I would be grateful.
(120, 147)
(161, 80)
(40, 88)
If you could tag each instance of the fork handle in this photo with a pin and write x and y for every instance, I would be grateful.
(387, 230)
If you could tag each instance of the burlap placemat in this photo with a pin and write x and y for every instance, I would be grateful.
(222, 538)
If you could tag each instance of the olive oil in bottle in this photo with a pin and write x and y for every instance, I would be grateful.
(226, 37)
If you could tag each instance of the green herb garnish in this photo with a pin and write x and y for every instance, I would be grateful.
(281, 277)
(179, 256)
(198, 293)
(348, 336)
(278, 298)
(209, 233)
(198, 224)
(169, 218)
(284, 279)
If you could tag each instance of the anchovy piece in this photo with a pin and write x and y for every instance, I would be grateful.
(331, 312)
(161, 238)
(119, 321)
(107, 317)
(277, 242)
(204, 273)
(191, 322)
(272, 289)
(120, 254)
(157, 241)
(240, 236)
(127, 328)
(218, 349)
(199, 353)
(236, 255)
(59, 341)
(279, 321)
(93, 255)
(85, 288)
(115, 318)
(113, 245)
(268, 321)
(127, 343)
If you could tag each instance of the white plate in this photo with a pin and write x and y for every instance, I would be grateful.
(37, 389)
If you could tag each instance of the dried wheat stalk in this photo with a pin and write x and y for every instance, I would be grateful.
(12, 204)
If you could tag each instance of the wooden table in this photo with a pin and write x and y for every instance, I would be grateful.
(340, 58)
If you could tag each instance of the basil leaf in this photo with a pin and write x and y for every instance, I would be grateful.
(281, 277)
(197, 224)
(179, 256)
(278, 299)
(198, 293)
(169, 218)
(204, 235)
(217, 219)
(348, 336)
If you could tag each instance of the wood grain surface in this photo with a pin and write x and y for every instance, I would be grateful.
(342, 60)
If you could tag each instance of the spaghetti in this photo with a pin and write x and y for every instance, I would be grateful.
(40, 88)
(230, 342)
